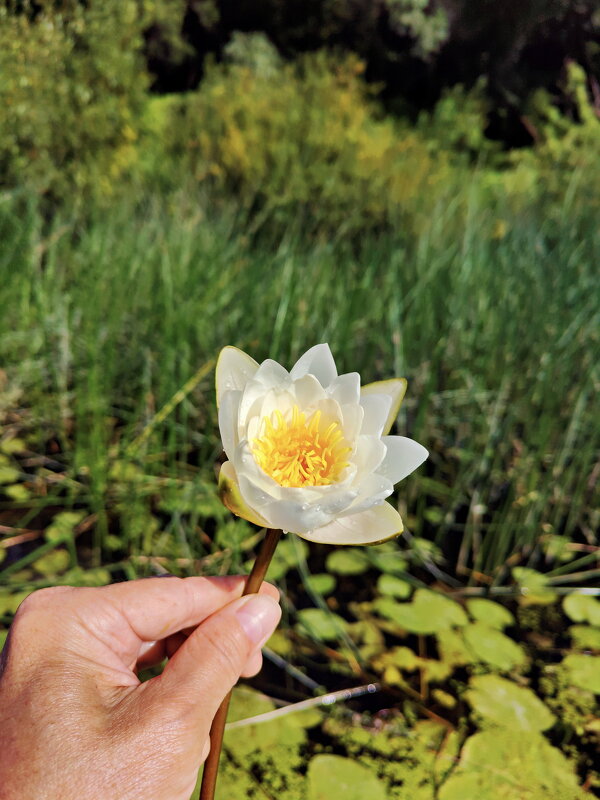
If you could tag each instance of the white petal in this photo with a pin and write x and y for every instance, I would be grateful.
(332, 499)
(270, 373)
(295, 517)
(231, 497)
(369, 454)
(307, 392)
(403, 456)
(251, 402)
(352, 420)
(395, 388)
(346, 483)
(253, 399)
(282, 400)
(376, 409)
(228, 414)
(256, 495)
(247, 468)
(233, 371)
(330, 412)
(259, 489)
(372, 491)
(317, 361)
(345, 388)
(253, 429)
(347, 476)
(369, 527)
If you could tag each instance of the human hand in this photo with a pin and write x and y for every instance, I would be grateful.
(75, 721)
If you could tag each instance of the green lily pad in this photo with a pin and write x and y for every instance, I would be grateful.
(490, 613)
(511, 765)
(503, 703)
(402, 657)
(583, 671)
(405, 659)
(11, 446)
(434, 515)
(534, 587)
(557, 547)
(387, 558)
(334, 776)
(287, 730)
(280, 643)
(368, 637)
(445, 699)
(63, 525)
(53, 563)
(393, 586)
(17, 492)
(322, 583)
(348, 561)
(8, 474)
(247, 702)
(429, 612)
(452, 648)
(585, 637)
(424, 550)
(9, 603)
(322, 625)
(435, 671)
(582, 608)
(286, 556)
(98, 576)
(493, 647)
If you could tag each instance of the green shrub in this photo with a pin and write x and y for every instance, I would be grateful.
(457, 124)
(564, 166)
(72, 86)
(309, 141)
(305, 142)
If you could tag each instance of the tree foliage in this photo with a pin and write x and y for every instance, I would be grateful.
(414, 48)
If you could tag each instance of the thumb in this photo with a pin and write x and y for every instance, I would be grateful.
(209, 663)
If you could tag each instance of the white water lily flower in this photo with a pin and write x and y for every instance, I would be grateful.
(308, 449)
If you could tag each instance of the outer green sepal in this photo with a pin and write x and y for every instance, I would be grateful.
(234, 369)
(394, 388)
(231, 497)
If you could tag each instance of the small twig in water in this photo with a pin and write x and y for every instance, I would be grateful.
(325, 700)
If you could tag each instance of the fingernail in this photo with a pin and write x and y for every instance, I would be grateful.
(258, 617)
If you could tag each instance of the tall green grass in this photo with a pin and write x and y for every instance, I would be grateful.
(105, 319)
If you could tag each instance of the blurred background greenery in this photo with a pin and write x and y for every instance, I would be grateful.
(417, 183)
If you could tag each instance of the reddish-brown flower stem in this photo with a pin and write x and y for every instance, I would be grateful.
(255, 579)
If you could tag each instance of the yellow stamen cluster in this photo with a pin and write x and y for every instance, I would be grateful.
(301, 452)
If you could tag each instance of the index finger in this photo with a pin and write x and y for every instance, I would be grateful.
(155, 609)
(122, 616)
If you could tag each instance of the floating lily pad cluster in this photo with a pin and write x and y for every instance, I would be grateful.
(317, 755)
(475, 662)
(518, 685)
